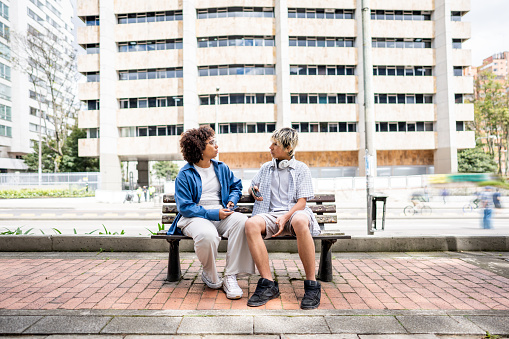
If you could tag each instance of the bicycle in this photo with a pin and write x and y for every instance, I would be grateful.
(472, 205)
(417, 208)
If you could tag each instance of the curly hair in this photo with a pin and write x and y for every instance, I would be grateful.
(193, 142)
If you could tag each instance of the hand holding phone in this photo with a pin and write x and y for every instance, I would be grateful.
(256, 192)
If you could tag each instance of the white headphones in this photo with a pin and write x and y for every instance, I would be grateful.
(282, 164)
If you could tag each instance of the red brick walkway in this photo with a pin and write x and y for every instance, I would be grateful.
(385, 283)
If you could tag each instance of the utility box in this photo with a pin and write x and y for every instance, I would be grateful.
(378, 204)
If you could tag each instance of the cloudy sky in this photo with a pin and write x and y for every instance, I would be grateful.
(490, 28)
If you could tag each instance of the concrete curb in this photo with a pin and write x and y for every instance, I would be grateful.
(120, 243)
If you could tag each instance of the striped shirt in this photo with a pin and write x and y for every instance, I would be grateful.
(300, 185)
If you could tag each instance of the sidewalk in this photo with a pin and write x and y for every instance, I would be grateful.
(433, 293)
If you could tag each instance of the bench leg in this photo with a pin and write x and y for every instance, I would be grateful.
(325, 267)
(174, 273)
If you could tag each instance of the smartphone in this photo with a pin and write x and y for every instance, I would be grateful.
(256, 193)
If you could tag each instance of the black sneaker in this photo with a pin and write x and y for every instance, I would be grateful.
(312, 295)
(265, 290)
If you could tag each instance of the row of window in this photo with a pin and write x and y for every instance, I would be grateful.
(403, 98)
(4, 10)
(236, 70)
(303, 41)
(150, 131)
(5, 72)
(235, 98)
(151, 102)
(321, 70)
(403, 71)
(143, 46)
(324, 127)
(92, 105)
(400, 15)
(322, 98)
(4, 31)
(235, 40)
(231, 12)
(400, 43)
(36, 128)
(5, 112)
(134, 18)
(403, 126)
(33, 15)
(320, 13)
(143, 74)
(5, 131)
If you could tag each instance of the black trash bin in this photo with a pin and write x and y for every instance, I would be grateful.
(381, 200)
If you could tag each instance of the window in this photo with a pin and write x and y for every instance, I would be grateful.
(4, 10)
(151, 102)
(458, 98)
(92, 76)
(456, 16)
(5, 71)
(92, 20)
(458, 71)
(321, 42)
(224, 41)
(144, 74)
(5, 112)
(93, 48)
(382, 98)
(400, 43)
(5, 92)
(142, 46)
(456, 43)
(232, 12)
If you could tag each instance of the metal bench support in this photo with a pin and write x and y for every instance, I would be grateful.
(174, 273)
(325, 266)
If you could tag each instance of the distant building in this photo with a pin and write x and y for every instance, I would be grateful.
(19, 108)
(163, 64)
(496, 64)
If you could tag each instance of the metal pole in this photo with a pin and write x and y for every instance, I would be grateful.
(216, 126)
(39, 171)
(368, 108)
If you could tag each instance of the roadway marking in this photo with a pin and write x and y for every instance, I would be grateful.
(27, 215)
(89, 215)
(110, 214)
(6, 215)
(48, 214)
(67, 215)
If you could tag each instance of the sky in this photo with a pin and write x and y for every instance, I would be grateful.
(490, 28)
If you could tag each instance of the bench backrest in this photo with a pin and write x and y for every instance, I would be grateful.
(323, 205)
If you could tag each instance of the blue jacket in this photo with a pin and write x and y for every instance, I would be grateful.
(188, 190)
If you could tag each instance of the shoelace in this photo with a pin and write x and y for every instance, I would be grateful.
(231, 280)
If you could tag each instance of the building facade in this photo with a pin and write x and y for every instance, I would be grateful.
(252, 66)
(20, 109)
(497, 64)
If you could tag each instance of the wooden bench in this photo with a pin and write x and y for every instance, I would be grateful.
(325, 214)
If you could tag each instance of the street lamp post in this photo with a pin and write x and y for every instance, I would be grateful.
(216, 126)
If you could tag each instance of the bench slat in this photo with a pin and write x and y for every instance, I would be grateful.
(247, 198)
(322, 219)
(249, 209)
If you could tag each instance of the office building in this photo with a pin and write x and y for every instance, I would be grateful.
(156, 68)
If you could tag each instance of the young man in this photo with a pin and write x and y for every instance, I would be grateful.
(283, 185)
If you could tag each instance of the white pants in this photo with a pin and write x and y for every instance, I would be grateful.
(207, 234)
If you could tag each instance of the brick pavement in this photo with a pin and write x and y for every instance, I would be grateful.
(376, 283)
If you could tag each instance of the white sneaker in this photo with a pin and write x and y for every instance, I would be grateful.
(209, 283)
(231, 287)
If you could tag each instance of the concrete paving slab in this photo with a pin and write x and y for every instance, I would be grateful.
(494, 325)
(68, 325)
(439, 324)
(216, 325)
(80, 336)
(319, 336)
(25, 337)
(364, 324)
(13, 324)
(143, 325)
(284, 324)
(233, 336)
(399, 336)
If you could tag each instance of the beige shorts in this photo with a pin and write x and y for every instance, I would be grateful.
(271, 227)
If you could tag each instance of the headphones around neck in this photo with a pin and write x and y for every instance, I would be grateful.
(282, 164)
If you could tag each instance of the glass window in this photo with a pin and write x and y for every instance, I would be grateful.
(458, 98)
(410, 127)
(402, 126)
(142, 131)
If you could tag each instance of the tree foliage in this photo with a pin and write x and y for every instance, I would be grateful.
(476, 160)
(70, 161)
(50, 64)
(166, 169)
(492, 115)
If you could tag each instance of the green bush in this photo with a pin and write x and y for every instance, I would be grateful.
(495, 183)
(44, 193)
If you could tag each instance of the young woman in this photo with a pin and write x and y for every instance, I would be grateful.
(206, 192)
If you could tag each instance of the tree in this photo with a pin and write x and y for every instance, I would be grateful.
(476, 160)
(492, 114)
(166, 169)
(50, 64)
(71, 162)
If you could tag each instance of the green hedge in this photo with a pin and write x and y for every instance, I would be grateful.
(44, 193)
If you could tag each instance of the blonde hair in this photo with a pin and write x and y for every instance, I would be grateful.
(286, 137)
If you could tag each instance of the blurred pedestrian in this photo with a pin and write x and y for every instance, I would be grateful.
(139, 192)
(145, 192)
(444, 195)
(487, 205)
(151, 191)
(496, 199)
